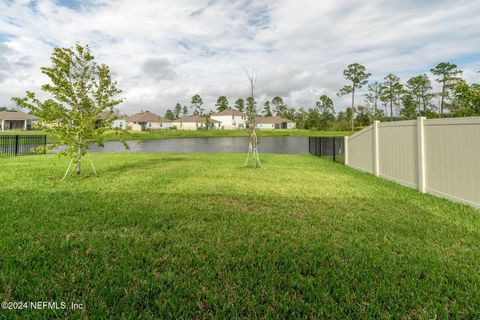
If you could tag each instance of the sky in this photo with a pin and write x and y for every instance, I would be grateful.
(164, 52)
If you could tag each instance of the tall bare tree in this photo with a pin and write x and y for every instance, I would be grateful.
(390, 91)
(446, 74)
(373, 96)
(357, 75)
(420, 88)
(252, 123)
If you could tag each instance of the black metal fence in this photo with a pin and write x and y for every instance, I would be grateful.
(17, 145)
(332, 147)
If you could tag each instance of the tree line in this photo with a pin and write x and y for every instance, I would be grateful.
(394, 100)
(388, 100)
(270, 108)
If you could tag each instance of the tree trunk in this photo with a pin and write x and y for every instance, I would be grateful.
(391, 110)
(353, 107)
(441, 100)
(375, 110)
(78, 161)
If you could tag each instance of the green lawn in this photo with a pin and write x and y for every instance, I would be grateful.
(176, 235)
(169, 134)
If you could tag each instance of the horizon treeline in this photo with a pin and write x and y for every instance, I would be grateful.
(389, 100)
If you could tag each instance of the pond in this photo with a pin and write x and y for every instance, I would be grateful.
(280, 145)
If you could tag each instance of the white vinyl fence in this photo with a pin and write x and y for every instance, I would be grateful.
(438, 156)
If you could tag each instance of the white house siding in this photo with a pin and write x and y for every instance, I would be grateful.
(231, 122)
(153, 125)
(265, 125)
(193, 125)
(134, 126)
(149, 125)
(186, 125)
(119, 124)
(290, 125)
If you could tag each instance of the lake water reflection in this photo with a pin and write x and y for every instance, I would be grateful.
(280, 145)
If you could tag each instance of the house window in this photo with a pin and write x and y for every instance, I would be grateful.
(233, 117)
(149, 124)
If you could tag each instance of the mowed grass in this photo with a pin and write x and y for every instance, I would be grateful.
(199, 236)
(173, 133)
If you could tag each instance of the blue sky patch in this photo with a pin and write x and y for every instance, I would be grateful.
(72, 4)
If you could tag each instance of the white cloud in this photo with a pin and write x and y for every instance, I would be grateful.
(162, 52)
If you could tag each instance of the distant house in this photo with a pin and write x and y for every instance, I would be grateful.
(194, 123)
(231, 119)
(119, 121)
(274, 123)
(147, 121)
(16, 120)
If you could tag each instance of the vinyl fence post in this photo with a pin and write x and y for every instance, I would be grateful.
(376, 166)
(345, 146)
(421, 154)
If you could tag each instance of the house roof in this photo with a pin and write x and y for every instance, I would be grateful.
(16, 115)
(272, 120)
(146, 116)
(195, 119)
(229, 112)
(114, 115)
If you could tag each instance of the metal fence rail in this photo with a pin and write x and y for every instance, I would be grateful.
(17, 145)
(332, 147)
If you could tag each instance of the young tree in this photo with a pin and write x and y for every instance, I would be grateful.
(185, 111)
(252, 111)
(357, 75)
(279, 106)
(240, 104)
(222, 104)
(312, 119)
(420, 89)
(467, 99)
(267, 110)
(326, 112)
(169, 115)
(290, 113)
(410, 106)
(373, 96)
(207, 122)
(446, 74)
(80, 90)
(344, 119)
(196, 105)
(390, 91)
(364, 116)
(177, 110)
